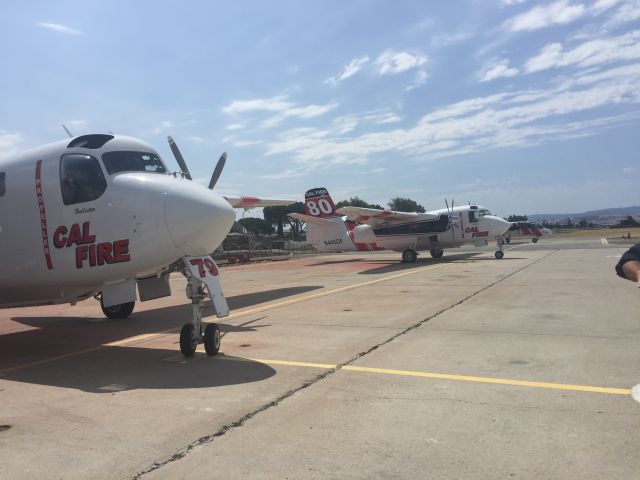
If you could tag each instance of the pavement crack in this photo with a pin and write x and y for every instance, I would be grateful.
(206, 439)
(183, 452)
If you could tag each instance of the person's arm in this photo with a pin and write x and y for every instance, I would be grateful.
(629, 265)
(631, 270)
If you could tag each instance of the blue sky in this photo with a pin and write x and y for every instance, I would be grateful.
(522, 106)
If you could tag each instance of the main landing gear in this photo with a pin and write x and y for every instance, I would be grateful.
(500, 242)
(122, 310)
(409, 256)
(191, 334)
(436, 252)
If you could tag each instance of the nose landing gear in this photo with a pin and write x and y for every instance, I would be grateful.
(202, 272)
(500, 243)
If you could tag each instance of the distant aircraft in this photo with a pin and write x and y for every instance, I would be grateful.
(98, 215)
(526, 229)
(355, 228)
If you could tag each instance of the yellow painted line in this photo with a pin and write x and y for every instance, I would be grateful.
(235, 314)
(269, 306)
(444, 376)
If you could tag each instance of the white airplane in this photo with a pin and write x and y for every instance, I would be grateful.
(355, 228)
(98, 215)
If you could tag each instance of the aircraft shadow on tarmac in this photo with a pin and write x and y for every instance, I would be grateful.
(55, 337)
(115, 369)
(392, 266)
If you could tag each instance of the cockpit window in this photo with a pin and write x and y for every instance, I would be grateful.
(81, 178)
(116, 162)
(484, 212)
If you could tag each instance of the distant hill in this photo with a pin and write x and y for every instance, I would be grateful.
(605, 216)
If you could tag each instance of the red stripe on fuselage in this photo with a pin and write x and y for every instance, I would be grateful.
(43, 216)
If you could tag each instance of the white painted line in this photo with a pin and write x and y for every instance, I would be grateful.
(635, 393)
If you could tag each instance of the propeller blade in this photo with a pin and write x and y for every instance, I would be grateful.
(447, 204)
(179, 157)
(218, 170)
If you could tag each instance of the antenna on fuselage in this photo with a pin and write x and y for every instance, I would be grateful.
(67, 130)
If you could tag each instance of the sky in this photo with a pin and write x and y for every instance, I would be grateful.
(521, 106)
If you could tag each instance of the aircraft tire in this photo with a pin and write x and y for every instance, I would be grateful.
(122, 310)
(409, 256)
(534, 239)
(188, 341)
(212, 339)
(436, 253)
(499, 254)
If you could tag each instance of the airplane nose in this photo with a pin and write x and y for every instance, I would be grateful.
(501, 225)
(198, 219)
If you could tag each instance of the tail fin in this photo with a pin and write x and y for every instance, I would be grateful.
(326, 231)
(318, 203)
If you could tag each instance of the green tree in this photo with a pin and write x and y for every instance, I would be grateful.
(517, 218)
(278, 215)
(257, 226)
(357, 202)
(405, 205)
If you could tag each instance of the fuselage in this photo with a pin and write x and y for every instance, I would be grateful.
(76, 215)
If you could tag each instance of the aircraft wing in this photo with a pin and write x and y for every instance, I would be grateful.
(378, 218)
(251, 202)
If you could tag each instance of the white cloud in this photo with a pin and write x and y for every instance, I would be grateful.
(391, 63)
(235, 126)
(498, 70)
(508, 3)
(56, 27)
(629, 169)
(10, 143)
(420, 79)
(446, 39)
(593, 52)
(273, 104)
(280, 105)
(290, 173)
(237, 142)
(514, 119)
(557, 13)
(350, 69)
(601, 6)
(629, 11)
(164, 125)
(309, 111)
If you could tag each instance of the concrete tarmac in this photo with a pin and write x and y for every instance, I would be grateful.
(341, 366)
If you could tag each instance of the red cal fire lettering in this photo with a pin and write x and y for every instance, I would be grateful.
(86, 249)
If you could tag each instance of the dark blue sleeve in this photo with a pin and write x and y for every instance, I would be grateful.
(632, 254)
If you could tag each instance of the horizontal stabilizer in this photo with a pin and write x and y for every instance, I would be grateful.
(315, 220)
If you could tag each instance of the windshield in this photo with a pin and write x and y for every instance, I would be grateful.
(116, 162)
(484, 212)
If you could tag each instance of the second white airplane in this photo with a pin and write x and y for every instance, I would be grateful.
(355, 228)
